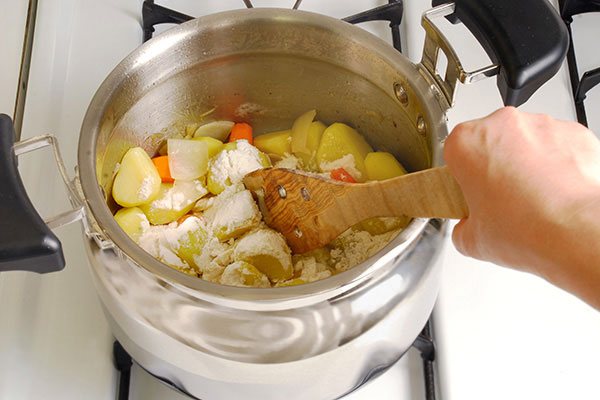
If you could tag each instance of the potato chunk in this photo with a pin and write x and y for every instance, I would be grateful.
(234, 215)
(137, 181)
(340, 140)
(241, 273)
(381, 166)
(233, 163)
(268, 252)
(132, 221)
(173, 201)
(278, 143)
(191, 244)
(214, 145)
(216, 129)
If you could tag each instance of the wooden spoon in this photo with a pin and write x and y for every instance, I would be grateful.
(311, 211)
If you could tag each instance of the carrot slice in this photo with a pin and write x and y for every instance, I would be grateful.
(162, 166)
(340, 174)
(241, 131)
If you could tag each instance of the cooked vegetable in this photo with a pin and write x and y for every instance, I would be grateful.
(381, 166)
(232, 163)
(132, 221)
(192, 243)
(214, 145)
(173, 201)
(377, 226)
(137, 182)
(162, 166)
(234, 216)
(315, 132)
(217, 129)
(241, 273)
(188, 159)
(339, 140)
(268, 252)
(292, 282)
(214, 185)
(300, 132)
(340, 174)
(224, 239)
(241, 131)
(278, 143)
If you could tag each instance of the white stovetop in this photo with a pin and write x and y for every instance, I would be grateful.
(500, 334)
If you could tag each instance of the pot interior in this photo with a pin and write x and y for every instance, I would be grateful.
(264, 67)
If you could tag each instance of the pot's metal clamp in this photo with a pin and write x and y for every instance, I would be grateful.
(79, 211)
(436, 41)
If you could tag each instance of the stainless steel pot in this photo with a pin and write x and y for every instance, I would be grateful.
(266, 66)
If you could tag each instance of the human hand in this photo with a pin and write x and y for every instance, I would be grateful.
(532, 185)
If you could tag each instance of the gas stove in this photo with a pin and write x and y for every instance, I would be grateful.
(499, 333)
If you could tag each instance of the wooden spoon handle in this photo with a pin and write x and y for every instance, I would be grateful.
(431, 193)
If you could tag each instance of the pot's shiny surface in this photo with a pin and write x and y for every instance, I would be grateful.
(265, 66)
(320, 351)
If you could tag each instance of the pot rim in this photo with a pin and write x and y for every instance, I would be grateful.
(95, 200)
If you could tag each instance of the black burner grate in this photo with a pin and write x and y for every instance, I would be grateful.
(154, 14)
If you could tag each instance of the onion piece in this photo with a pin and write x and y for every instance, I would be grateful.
(191, 191)
(300, 132)
(188, 159)
(216, 129)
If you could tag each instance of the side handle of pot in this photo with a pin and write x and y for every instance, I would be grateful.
(26, 240)
(525, 39)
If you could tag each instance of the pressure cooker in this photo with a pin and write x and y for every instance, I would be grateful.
(319, 340)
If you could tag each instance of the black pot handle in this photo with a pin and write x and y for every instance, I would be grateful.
(526, 38)
(26, 242)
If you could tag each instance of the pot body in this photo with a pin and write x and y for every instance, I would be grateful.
(321, 351)
(264, 66)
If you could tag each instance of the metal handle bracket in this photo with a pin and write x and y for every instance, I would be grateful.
(39, 142)
(436, 41)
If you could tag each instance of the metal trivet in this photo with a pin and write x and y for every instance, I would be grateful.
(591, 78)
(154, 14)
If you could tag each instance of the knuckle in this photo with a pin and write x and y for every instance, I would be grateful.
(461, 238)
(508, 112)
(458, 144)
(509, 115)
